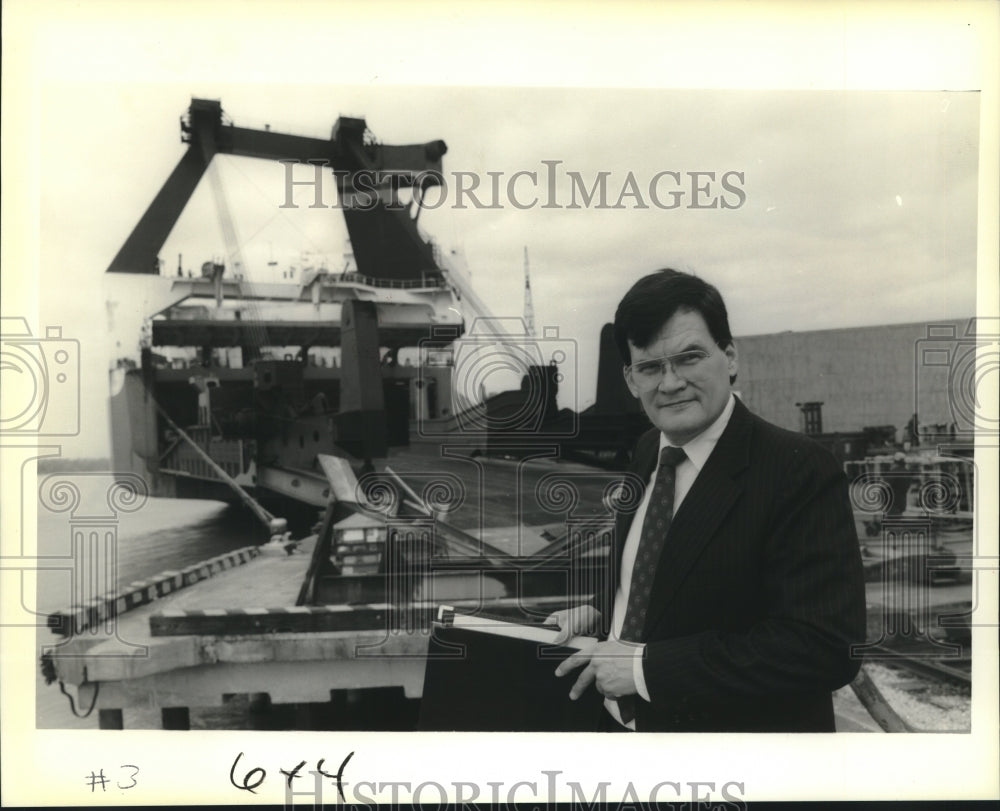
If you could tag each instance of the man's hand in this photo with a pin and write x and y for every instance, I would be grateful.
(584, 619)
(608, 666)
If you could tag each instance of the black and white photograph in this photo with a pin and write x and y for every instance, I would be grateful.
(396, 404)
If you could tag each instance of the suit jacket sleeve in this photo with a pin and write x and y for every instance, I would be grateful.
(808, 596)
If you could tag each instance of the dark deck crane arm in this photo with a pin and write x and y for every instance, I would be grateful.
(384, 237)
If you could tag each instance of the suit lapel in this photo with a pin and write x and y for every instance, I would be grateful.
(704, 507)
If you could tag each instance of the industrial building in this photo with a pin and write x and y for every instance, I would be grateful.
(843, 381)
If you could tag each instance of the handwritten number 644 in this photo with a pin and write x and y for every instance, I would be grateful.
(253, 778)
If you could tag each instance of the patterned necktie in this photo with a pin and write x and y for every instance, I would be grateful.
(659, 512)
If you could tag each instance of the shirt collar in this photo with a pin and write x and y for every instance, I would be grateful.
(700, 448)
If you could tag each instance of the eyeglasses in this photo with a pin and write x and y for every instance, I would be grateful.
(647, 374)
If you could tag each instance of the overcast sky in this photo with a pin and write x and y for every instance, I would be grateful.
(856, 207)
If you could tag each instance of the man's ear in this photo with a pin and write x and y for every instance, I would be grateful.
(631, 388)
(733, 357)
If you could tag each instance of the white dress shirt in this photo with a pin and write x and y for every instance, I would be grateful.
(696, 452)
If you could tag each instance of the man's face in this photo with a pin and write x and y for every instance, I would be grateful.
(687, 400)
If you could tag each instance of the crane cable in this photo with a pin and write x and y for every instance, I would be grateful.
(234, 253)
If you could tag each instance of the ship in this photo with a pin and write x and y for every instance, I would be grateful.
(237, 386)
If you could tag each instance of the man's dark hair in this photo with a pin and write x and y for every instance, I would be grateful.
(654, 299)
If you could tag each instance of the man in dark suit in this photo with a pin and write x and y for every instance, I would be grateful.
(737, 587)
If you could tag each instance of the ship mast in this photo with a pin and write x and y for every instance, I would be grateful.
(529, 309)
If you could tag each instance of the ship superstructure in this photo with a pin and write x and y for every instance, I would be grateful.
(251, 381)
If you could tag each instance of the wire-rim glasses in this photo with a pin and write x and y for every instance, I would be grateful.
(646, 375)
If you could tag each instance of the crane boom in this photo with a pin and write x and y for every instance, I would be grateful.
(384, 237)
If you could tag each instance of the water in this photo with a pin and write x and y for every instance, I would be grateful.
(160, 535)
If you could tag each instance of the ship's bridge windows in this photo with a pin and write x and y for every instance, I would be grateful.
(439, 357)
(323, 357)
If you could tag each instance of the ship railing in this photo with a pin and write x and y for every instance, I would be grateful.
(432, 279)
(232, 455)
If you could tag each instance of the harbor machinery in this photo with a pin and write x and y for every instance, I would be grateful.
(248, 381)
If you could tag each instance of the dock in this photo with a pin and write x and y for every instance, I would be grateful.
(243, 634)
(231, 626)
